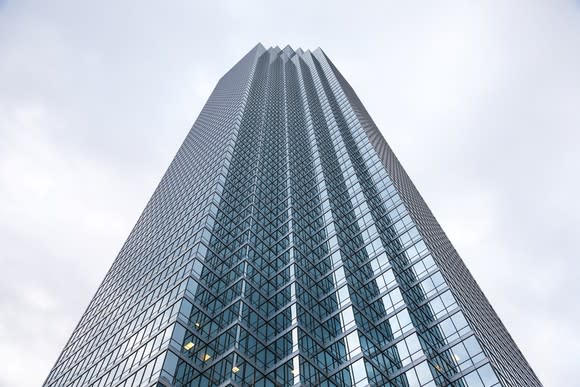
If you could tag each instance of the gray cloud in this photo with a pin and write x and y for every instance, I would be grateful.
(480, 102)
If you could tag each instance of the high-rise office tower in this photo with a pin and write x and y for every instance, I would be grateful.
(286, 245)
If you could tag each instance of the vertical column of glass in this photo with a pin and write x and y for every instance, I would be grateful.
(442, 329)
(215, 339)
(311, 251)
(347, 366)
(269, 270)
(319, 322)
(288, 295)
(382, 329)
(356, 239)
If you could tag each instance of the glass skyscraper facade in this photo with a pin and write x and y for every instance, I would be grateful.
(286, 245)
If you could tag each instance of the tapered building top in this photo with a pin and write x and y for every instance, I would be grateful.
(286, 245)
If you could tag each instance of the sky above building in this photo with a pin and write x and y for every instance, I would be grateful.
(480, 101)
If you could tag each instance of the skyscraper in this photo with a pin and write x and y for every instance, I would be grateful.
(286, 245)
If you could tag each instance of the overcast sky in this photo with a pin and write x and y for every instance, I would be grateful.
(480, 101)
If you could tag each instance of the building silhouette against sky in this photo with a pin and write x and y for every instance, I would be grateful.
(286, 245)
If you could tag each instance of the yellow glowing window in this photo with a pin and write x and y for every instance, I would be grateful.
(235, 369)
(206, 357)
(188, 346)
